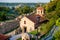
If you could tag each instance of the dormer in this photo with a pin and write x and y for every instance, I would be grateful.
(40, 10)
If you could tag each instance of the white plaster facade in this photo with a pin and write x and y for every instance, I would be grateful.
(29, 24)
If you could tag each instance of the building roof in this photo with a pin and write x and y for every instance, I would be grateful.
(33, 18)
(40, 8)
(3, 37)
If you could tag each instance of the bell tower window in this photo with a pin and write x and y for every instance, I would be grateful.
(41, 11)
(38, 12)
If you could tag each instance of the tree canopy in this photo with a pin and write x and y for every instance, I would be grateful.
(2, 16)
(52, 9)
(56, 35)
(58, 22)
(25, 10)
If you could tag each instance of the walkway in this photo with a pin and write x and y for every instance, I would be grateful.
(15, 37)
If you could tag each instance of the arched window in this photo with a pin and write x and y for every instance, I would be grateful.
(41, 11)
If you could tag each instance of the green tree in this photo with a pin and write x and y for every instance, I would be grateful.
(24, 10)
(37, 5)
(6, 9)
(58, 22)
(58, 5)
(2, 16)
(56, 36)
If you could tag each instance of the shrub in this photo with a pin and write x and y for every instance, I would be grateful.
(58, 22)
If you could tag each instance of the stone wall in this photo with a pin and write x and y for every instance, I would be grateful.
(8, 26)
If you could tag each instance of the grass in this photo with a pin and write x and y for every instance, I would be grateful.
(33, 32)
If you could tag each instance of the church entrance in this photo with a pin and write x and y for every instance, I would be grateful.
(25, 29)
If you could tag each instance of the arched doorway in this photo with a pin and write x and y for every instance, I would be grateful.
(25, 29)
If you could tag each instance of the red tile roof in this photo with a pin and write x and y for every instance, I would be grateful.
(33, 18)
(40, 8)
(3, 37)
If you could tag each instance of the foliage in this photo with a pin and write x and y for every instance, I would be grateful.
(52, 6)
(52, 13)
(6, 13)
(58, 5)
(24, 10)
(52, 9)
(58, 22)
(37, 5)
(46, 27)
(56, 36)
(2, 16)
(34, 32)
(4, 9)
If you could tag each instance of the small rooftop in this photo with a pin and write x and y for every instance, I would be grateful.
(3, 37)
(40, 8)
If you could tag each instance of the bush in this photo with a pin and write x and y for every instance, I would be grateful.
(47, 27)
(34, 32)
(58, 22)
(56, 36)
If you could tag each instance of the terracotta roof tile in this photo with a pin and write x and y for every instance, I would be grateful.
(40, 8)
(33, 18)
(3, 37)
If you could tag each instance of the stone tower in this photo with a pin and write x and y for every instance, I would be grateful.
(40, 11)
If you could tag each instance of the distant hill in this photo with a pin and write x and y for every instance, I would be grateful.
(16, 4)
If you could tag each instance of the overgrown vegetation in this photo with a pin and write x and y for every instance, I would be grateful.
(56, 35)
(53, 12)
(6, 14)
(58, 22)
(33, 32)
(47, 26)
(25, 10)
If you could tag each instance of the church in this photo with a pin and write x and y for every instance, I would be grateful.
(31, 22)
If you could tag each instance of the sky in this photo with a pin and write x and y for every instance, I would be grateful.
(25, 1)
